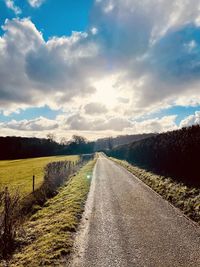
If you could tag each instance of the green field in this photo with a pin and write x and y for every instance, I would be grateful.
(17, 174)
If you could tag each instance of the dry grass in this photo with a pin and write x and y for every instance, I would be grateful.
(8, 222)
(17, 174)
(185, 198)
(49, 233)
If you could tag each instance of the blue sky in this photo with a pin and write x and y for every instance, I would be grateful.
(31, 113)
(98, 67)
(53, 18)
(181, 113)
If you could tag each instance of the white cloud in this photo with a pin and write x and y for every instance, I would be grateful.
(36, 3)
(34, 72)
(156, 125)
(87, 126)
(70, 66)
(154, 45)
(119, 124)
(191, 45)
(191, 120)
(137, 57)
(11, 5)
(94, 30)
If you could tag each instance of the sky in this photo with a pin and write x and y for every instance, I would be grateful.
(98, 68)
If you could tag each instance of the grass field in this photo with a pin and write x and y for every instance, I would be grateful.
(17, 174)
(50, 231)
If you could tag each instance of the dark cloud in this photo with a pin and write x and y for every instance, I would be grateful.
(38, 124)
(95, 108)
(78, 122)
(123, 31)
(176, 56)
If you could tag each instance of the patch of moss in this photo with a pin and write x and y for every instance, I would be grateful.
(49, 232)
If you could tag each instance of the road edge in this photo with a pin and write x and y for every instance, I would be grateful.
(81, 234)
(195, 224)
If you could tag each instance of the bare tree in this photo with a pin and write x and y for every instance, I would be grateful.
(79, 139)
(51, 137)
(64, 141)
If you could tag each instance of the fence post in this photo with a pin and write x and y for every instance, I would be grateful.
(33, 183)
(6, 213)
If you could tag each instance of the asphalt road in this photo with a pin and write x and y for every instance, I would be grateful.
(127, 224)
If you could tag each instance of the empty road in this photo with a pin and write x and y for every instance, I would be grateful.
(126, 224)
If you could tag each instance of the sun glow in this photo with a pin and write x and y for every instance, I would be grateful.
(106, 92)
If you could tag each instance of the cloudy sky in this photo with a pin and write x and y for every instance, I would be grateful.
(98, 67)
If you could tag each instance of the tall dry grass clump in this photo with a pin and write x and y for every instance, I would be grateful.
(9, 219)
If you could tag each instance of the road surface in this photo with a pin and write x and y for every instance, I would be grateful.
(127, 224)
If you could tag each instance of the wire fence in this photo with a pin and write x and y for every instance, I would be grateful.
(52, 172)
(33, 182)
(13, 206)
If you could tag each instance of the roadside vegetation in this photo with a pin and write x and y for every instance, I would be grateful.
(174, 154)
(17, 206)
(17, 174)
(183, 197)
(47, 237)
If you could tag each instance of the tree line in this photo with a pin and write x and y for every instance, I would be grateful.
(111, 142)
(22, 147)
(175, 154)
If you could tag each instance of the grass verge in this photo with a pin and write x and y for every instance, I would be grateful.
(185, 198)
(49, 233)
